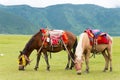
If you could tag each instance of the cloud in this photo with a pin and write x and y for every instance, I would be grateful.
(44, 3)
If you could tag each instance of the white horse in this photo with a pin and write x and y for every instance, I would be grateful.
(84, 49)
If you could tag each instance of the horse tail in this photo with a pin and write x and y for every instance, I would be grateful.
(75, 45)
(50, 55)
(110, 38)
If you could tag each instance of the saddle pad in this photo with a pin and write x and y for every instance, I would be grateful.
(93, 33)
(102, 40)
(99, 36)
(55, 36)
(96, 32)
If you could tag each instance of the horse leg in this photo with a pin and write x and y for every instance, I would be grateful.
(67, 66)
(110, 58)
(73, 54)
(38, 59)
(70, 55)
(87, 55)
(47, 62)
(106, 61)
(72, 63)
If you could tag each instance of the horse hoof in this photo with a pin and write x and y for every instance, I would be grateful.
(35, 69)
(21, 69)
(48, 69)
(86, 71)
(110, 69)
(70, 68)
(66, 68)
(78, 73)
(105, 69)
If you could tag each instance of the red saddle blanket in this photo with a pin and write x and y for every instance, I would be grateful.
(100, 37)
(102, 40)
(55, 36)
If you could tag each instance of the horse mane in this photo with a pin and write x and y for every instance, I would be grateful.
(79, 49)
(30, 42)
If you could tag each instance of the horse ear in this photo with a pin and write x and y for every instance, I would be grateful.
(21, 52)
(40, 30)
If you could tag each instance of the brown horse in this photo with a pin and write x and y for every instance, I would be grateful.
(36, 43)
(84, 48)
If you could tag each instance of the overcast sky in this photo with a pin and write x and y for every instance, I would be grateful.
(44, 3)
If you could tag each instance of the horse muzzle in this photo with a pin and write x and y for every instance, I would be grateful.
(78, 68)
(79, 72)
(21, 67)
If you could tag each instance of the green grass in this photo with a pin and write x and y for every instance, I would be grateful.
(10, 45)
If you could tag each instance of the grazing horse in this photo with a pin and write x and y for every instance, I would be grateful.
(84, 48)
(43, 45)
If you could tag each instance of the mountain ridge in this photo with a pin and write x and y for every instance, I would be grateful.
(75, 18)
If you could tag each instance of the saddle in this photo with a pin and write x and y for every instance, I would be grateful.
(54, 37)
(96, 37)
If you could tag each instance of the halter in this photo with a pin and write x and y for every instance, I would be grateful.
(24, 58)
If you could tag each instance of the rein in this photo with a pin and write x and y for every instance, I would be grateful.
(41, 46)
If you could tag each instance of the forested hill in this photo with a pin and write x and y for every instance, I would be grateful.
(23, 19)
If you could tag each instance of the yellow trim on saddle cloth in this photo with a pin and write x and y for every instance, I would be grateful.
(89, 32)
(91, 35)
(65, 37)
(23, 60)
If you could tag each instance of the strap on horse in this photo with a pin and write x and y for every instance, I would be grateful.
(93, 34)
(41, 46)
(94, 51)
(67, 50)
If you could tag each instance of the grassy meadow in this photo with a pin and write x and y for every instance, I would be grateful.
(10, 45)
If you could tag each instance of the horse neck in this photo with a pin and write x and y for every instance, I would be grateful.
(79, 48)
(33, 44)
(27, 52)
(29, 47)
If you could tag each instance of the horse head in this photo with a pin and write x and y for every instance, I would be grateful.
(33, 44)
(79, 55)
(23, 60)
(78, 65)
